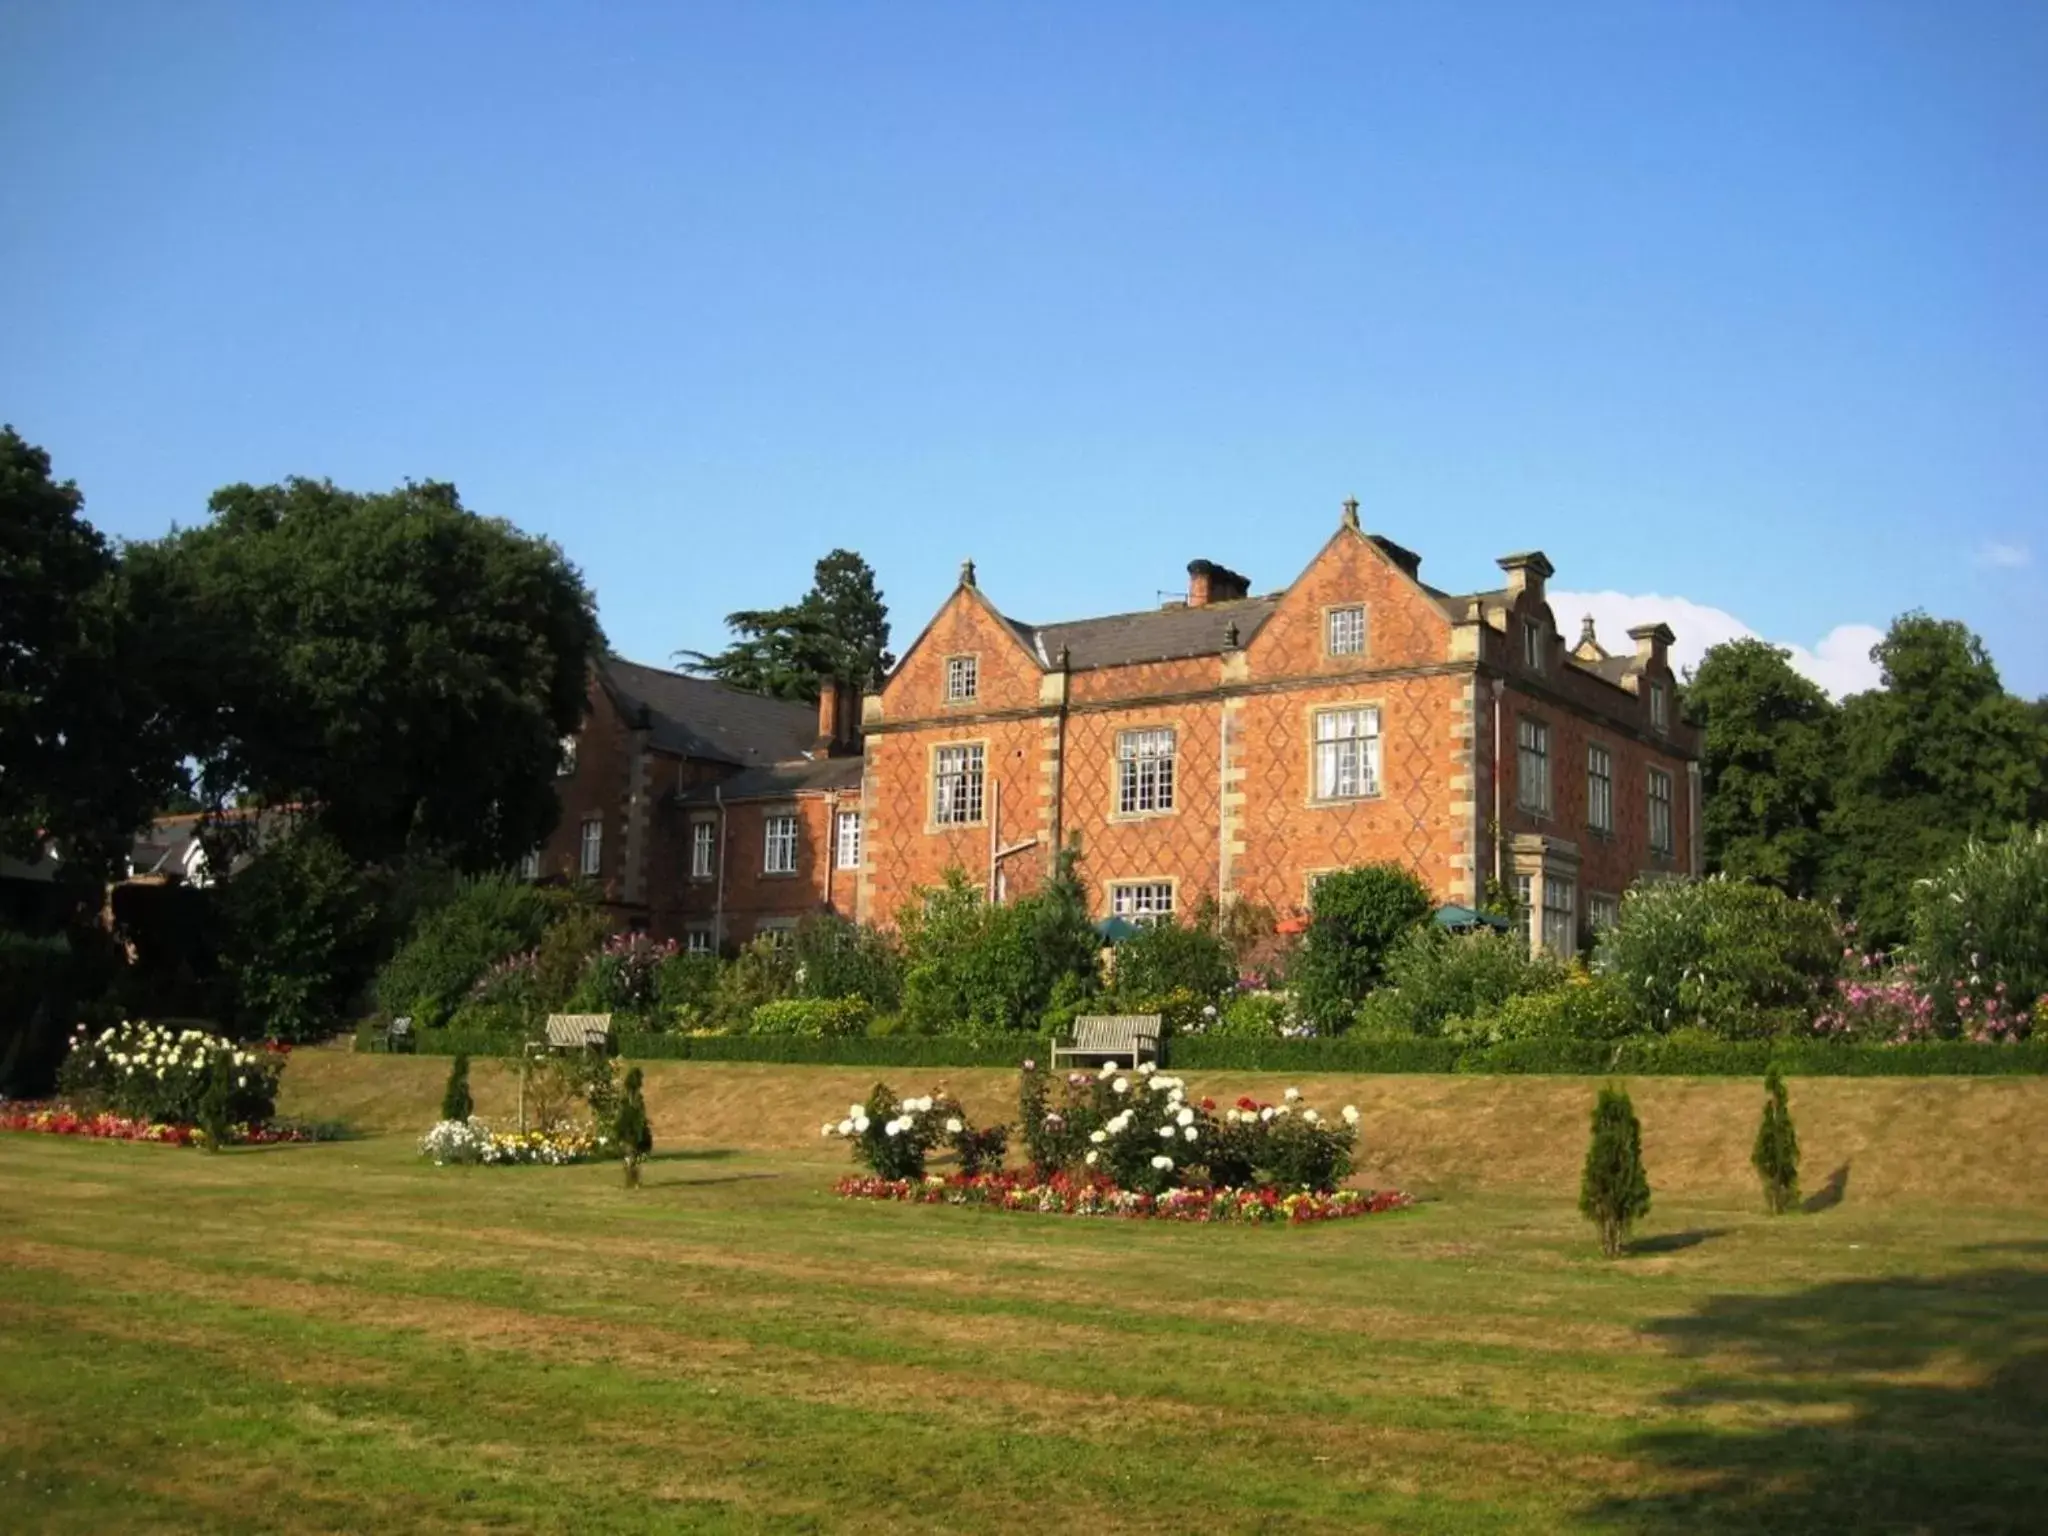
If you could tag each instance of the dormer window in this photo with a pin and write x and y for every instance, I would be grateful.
(1532, 645)
(1660, 707)
(963, 678)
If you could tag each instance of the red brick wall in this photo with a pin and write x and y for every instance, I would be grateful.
(598, 786)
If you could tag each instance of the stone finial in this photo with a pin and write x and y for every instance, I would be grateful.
(1586, 636)
(1066, 659)
(1230, 636)
(1351, 513)
(966, 573)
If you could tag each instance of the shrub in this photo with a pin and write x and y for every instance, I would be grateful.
(1738, 960)
(1880, 1002)
(561, 1090)
(621, 975)
(683, 988)
(1980, 937)
(298, 939)
(762, 972)
(472, 1141)
(577, 926)
(814, 1018)
(485, 920)
(1251, 1016)
(1180, 1011)
(980, 969)
(1776, 1154)
(631, 1133)
(838, 958)
(456, 1103)
(1165, 958)
(1433, 976)
(1583, 1007)
(1355, 918)
(1614, 1192)
(150, 1072)
(1289, 1144)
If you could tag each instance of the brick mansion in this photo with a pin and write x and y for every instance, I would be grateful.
(1226, 745)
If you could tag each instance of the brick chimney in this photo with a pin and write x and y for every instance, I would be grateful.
(1209, 583)
(838, 719)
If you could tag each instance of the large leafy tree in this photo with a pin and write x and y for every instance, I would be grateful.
(838, 629)
(1766, 764)
(399, 666)
(85, 753)
(1939, 754)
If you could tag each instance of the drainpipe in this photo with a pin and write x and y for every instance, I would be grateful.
(831, 842)
(1500, 878)
(718, 910)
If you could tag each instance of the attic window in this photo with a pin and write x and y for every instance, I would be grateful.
(963, 678)
(1532, 645)
(1660, 709)
(1346, 633)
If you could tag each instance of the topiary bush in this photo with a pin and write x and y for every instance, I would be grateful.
(631, 1133)
(1614, 1190)
(1740, 961)
(1776, 1153)
(1356, 917)
(456, 1101)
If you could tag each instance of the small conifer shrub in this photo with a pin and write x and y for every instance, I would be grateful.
(631, 1130)
(456, 1103)
(216, 1106)
(1776, 1155)
(1614, 1192)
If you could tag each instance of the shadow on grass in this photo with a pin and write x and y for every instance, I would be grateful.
(1830, 1194)
(1674, 1242)
(1912, 1403)
(693, 1155)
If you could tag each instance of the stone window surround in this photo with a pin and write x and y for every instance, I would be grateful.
(963, 678)
(1171, 883)
(1330, 613)
(1309, 713)
(1172, 808)
(931, 785)
(770, 816)
(1541, 858)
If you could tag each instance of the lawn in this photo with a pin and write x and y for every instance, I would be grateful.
(337, 1337)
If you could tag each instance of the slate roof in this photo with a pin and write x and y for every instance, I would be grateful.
(778, 780)
(1152, 634)
(696, 717)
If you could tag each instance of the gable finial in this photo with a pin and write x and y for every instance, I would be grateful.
(1230, 636)
(1066, 660)
(1586, 631)
(1351, 513)
(966, 573)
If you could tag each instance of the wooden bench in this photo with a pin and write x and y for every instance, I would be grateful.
(1125, 1038)
(579, 1031)
(398, 1036)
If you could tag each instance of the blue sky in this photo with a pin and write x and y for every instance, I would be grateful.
(1740, 312)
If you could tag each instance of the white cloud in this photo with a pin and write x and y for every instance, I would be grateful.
(2005, 557)
(1839, 661)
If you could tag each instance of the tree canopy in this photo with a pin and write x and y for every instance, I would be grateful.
(85, 754)
(400, 666)
(838, 629)
(1768, 737)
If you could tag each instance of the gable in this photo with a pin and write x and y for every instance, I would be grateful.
(967, 624)
(1405, 625)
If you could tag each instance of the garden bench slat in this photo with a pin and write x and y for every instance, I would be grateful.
(579, 1031)
(1123, 1037)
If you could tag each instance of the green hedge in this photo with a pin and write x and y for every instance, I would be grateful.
(1643, 1057)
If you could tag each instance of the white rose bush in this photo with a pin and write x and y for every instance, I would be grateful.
(139, 1081)
(1116, 1142)
(472, 1141)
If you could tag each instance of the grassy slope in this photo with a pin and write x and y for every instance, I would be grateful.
(336, 1337)
(1899, 1137)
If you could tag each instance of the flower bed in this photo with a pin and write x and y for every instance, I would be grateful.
(473, 1141)
(1065, 1196)
(62, 1120)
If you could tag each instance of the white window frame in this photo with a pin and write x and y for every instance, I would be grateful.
(1344, 630)
(780, 932)
(779, 836)
(1525, 909)
(703, 848)
(1344, 759)
(1146, 761)
(698, 941)
(1599, 788)
(529, 865)
(1560, 915)
(590, 848)
(963, 679)
(1602, 911)
(846, 839)
(959, 784)
(1141, 901)
(1532, 747)
(1661, 839)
